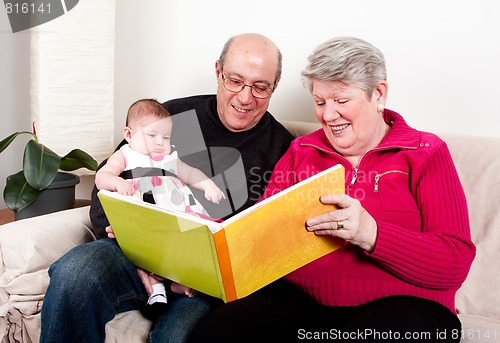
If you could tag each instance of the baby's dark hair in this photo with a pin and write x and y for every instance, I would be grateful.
(145, 107)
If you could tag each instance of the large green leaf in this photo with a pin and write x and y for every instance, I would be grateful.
(6, 142)
(17, 193)
(40, 165)
(76, 159)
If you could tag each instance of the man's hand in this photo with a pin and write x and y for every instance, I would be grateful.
(110, 232)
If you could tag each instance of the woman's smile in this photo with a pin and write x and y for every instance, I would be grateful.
(338, 129)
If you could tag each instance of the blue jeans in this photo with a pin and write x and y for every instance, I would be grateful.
(93, 282)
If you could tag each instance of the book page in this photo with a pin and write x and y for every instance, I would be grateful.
(271, 241)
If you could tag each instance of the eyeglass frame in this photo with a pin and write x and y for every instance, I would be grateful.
(271, 89)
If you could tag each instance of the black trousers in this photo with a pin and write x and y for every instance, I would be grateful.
(282, 313)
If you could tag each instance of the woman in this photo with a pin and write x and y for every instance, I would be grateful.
(404, 219)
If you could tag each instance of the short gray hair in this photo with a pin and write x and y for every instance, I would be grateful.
(349, 60)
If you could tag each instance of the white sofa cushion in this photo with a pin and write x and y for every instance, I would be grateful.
(478, 166)
(27, 249)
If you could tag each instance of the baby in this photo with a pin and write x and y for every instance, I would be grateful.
(148, 167)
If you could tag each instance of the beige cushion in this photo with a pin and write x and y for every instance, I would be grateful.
(299, 128)
(28, 247)
(128, 327)
(479, 329)
(478, 164)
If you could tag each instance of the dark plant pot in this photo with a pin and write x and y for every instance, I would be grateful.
(58, 196)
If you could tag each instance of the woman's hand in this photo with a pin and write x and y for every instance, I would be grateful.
(351, 222)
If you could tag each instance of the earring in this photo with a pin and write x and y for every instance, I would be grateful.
(380, 108)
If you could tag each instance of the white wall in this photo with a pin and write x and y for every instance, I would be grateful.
(14, 96)
(442, 57)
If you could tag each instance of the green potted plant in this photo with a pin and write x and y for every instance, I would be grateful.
(40, 167)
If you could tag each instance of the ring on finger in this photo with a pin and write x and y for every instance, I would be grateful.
(340, 224)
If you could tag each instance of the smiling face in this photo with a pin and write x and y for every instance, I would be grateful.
(150, 135)
(349, 117)
(253, 60)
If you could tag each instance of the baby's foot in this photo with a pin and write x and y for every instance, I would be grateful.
(157, 303)
(159, 294)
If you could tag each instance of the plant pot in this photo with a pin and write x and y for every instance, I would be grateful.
(58, 196)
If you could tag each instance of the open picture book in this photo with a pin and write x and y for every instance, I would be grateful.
(230, 259)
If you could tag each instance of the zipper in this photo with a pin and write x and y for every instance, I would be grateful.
(378, 176)
(354, 177)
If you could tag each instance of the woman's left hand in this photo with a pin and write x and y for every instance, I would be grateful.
(351, 222)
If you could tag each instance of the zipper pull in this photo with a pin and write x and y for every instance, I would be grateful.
(377, 177)
(354, 177)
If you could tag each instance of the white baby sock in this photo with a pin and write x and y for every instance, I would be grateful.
(159, 294)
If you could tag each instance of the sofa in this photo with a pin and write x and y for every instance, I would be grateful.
(29, 246)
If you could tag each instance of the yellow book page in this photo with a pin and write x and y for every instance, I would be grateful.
(271, 241)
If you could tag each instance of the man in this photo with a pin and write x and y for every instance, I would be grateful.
(95, 281)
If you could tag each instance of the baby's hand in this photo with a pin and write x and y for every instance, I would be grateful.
(125, 188)
(214, 194)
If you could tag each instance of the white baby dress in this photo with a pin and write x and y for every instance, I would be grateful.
(165, 190)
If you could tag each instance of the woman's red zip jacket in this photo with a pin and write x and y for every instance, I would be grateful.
(410, 186)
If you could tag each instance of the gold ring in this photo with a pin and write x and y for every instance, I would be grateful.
(340, 224)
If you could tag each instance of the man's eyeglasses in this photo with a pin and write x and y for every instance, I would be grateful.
(236, 86)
